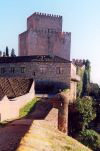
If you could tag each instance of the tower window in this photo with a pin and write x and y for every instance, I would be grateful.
(59, 70)
(22, 69)
(12, 69)
(34, 73)
(42, 69)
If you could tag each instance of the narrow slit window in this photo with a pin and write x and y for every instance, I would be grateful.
(59, 70)
(12, 70)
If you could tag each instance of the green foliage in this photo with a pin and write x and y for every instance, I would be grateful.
(65, 90)
(91, 139)
(80, 72)
(7, 51)
(84, 73)
(94, 90)
(87, 65)
(86, 78)
(13, 53)
(27, 108)
(86, 111)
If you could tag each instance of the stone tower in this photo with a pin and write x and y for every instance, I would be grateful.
(44, 36)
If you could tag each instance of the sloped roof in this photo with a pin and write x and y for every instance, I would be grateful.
(14, 87)
(36, 58)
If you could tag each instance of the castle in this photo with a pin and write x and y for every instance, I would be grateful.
(44, 36)
(43, 66)
(44, 56)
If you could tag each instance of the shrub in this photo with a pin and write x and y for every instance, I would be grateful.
(86, 111)
(91, 139)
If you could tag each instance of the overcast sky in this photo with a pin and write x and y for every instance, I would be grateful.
(80, 17)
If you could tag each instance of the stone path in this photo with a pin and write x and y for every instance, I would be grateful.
(43, 137)
(11, 135)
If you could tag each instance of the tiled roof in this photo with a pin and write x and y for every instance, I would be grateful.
(36, 58)
(14, 87)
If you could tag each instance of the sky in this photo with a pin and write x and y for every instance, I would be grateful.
(80, 17)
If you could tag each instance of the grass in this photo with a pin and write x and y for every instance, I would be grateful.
(27, 108)
(65, 90)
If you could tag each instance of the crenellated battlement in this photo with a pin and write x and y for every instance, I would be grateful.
(45, 15)
(66, 33)
(42, 20)
(78, 62)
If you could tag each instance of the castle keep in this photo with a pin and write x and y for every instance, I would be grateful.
(44, 60)
(44, 36)
(44, 56)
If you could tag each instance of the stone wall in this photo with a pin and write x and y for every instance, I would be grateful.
(23, 46)
(44, 43)
(73, 90)
(47, 71)
(74, 80)
(9, 109)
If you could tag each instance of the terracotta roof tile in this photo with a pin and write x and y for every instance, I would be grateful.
(14, 87)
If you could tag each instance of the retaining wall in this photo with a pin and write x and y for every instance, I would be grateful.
(9, 109)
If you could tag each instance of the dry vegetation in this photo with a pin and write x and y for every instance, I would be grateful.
(42, 137)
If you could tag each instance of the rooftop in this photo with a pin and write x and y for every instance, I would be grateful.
(36, 58)
(14, 87)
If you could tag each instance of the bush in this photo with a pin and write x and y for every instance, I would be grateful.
(86, 111)
(91, 139)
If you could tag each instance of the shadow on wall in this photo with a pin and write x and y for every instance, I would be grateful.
(49, 87)
(40, 110)
(9, 109)
(17, 129)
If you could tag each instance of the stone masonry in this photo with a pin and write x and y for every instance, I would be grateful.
(41, 68)
(44, 36)
(46, 69)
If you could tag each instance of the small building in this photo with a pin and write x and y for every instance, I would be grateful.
(14, 94)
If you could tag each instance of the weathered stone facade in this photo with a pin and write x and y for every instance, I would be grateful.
(45, 21)
(41, 68)
(38, 70)
(44, 36)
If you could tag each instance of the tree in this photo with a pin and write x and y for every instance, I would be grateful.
(13, 53)
(86, 79)
(86, 111)
(91, 139)
(0, 53)
(88, 69)
(4, 54)
(94, 90)
(7, 51)
(80, 72)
